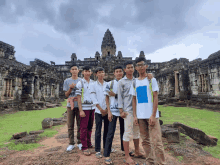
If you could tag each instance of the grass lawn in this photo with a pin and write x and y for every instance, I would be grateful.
(207, 121)
(27, 121)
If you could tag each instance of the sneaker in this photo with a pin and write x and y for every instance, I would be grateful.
(113, 150)
(98, 155)
(79, 146)
(70, 148)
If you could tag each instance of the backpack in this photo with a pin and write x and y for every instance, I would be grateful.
(111, 85)
(150, 86)
(82, 90)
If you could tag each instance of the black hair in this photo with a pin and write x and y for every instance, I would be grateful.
(86, 68)
(118, 67)
(74, 64)
(99, 69)
(140, 59)
(127, 63)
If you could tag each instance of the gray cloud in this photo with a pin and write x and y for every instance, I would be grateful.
(162, 21)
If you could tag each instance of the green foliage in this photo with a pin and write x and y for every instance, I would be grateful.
(207, 121)
(27, 121)
(180, 158)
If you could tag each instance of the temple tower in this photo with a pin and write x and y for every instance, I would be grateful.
(108, 44)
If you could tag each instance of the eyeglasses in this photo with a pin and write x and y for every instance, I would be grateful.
(140, 65)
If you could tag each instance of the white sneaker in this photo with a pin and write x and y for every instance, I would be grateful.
(70, 148)
(79, 146)
(113, 150)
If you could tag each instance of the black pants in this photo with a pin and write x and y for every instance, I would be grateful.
(111, 133)
(98, 122)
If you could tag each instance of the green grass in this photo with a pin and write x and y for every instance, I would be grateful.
(207, 121)
(27, 121)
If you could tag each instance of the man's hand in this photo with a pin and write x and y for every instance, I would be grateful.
(104, 112)
(111, 93)
(110, 116)
(152, 120)
(82, 114)
(123, 114)
(135, 121)
(149, 76)
(72, 85)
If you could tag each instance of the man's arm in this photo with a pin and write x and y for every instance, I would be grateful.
(67, 93)
(110, 117)
(120, 100)
(155, 103)
(79, 102)
(134, 106)
(134, 110)
(107, 102)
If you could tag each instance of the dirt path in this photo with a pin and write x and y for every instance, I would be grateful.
(53, 152)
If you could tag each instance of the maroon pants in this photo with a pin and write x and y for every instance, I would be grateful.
(86, 124)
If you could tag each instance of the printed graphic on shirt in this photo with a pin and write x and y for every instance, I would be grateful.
(115, 106)
(142, 94)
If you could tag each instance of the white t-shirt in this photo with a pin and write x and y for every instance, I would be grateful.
(87, 103)
(113, 102)
(97, 95)
(144, 104)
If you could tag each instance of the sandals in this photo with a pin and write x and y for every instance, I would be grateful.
(91, 146)
(98, 155)
(140, 156)
(86, 152)
(132, 154)
(108, 161)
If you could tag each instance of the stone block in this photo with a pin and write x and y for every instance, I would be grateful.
(213, 138)
(19, 135)
(58, 119)
(36, 132)
(47, 123)
(27, 139)
(172, 136)
(57, 123)
(196, 134)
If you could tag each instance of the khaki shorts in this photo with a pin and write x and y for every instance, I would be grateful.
(130, 128)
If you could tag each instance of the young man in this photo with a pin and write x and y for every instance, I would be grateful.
(111, 91)
(98, 98)
(86, 109)
(145, 102)
(126, 112)
(72, 112)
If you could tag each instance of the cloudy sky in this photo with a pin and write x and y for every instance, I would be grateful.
(52, 30)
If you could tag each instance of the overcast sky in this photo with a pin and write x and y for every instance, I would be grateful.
(52, 30)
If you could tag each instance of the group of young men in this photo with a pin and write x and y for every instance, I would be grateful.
(132, 100)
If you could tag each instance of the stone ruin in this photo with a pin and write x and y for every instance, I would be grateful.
(27, 87)
(181, 82)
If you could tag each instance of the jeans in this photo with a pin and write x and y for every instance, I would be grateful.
(98, 121)
(111, 133)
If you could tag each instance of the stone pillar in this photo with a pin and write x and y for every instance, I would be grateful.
(200, 83)
(7, 88)
(10, 88)
(205, 83)
(176, 84)
(202, 76)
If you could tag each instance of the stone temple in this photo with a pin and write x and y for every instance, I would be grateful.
(181, 82)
